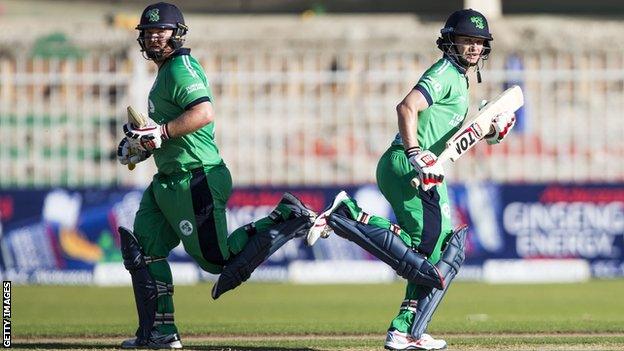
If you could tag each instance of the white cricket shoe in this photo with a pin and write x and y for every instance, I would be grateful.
(320, 229)
(156, 341)
(404, 341)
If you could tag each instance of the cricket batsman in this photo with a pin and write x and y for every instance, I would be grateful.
(422, 248)
(187, 197)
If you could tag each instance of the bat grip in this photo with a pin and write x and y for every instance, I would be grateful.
(131, 166)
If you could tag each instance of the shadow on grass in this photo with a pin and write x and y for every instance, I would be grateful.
(81, 346)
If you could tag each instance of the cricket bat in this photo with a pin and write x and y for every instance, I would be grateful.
(477, 126)
(138, 120)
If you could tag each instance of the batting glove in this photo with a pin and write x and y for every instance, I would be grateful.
(430, 173)
(149, 137)
(501, 126)
(129, 152)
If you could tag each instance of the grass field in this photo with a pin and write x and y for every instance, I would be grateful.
(588, 316)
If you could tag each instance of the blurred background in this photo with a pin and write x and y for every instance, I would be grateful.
(305, 96)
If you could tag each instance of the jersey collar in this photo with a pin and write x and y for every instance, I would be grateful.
(180, 52)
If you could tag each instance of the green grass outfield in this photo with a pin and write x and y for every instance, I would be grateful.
(473, 316)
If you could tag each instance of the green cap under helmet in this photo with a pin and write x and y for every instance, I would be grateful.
(162, 15)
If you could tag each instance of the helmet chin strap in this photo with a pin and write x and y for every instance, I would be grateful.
(460, 60)
(153, 55)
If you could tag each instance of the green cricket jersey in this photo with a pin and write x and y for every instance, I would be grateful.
(180, 85)
(445, 87)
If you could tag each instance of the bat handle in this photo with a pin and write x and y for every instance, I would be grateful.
(131, 166)
(415, 182)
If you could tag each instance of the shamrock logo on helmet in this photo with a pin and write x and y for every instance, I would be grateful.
(478, 22)
(152, 15)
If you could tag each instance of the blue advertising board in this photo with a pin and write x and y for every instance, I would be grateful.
(61, 235)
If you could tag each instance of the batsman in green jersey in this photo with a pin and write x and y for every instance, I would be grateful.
(422, 248)
(186, 199)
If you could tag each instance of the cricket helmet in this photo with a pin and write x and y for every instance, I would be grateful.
(468, 23)
(162, 15)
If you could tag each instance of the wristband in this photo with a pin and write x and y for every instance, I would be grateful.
(164, 131)
(412, 151)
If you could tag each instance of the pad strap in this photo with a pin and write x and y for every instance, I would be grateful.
(164, 288)
(163, 318)
(409, 305)
(276, 215)
(251, 229)
(152, 259)
(363, 217)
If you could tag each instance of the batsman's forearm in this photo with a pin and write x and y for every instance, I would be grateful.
(408, 122)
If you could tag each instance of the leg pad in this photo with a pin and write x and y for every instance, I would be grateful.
(388, 247)
(146, 290)
(452, 259)
(258, 249)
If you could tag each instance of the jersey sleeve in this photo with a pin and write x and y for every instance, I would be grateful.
(434, 84)
(189, 89)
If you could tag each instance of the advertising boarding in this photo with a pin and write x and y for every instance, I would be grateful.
(69, 236)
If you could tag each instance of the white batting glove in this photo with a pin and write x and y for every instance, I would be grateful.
(129, 152)
(501, 125)
(430, 173)
(149, 137)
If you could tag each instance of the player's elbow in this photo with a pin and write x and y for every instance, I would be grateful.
(208, 117)
(403, 109)
(204, 113)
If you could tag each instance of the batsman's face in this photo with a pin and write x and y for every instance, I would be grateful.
(470, 48)
(156, 40)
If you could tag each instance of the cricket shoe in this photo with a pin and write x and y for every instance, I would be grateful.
(320, 228)
(156, 341)
(404, 341)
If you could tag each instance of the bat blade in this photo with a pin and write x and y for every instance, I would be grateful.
(477, 126)
(138, 120)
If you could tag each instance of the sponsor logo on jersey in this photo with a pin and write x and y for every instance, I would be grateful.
(456, 120)
(186, 227)
(194, 87)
